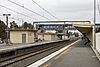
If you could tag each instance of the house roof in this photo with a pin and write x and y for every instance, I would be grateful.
(50, 33)
(32, 30)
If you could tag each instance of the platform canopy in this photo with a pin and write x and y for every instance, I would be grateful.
(83, 28)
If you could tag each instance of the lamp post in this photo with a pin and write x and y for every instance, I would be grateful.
(7, 28)
(64, 31)
(94, 25)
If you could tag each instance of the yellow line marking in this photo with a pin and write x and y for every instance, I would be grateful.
(45, 65)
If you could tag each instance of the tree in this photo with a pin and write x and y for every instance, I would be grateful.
(98, 29)
(27, 25)
(13, 24)
(2, 30)
(30, 26)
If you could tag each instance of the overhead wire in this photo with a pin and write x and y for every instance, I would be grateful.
(29, 10)
(18, 12)
(45, 9)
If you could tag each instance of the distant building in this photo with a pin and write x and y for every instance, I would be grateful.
(50, 36)
(22, 35)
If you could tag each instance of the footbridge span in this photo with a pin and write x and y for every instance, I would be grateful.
(85, 27)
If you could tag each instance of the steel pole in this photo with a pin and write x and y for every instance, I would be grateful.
(7, 29)
(94, 25)
(64, 31)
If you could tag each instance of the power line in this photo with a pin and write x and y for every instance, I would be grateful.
(44, 9)
(18, 12)
(28, 9)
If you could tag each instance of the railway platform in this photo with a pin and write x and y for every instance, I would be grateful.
(12, 55)
(4, 48)
(78, 55)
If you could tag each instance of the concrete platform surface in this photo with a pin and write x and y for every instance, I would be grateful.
(4, 47)
(78, 55)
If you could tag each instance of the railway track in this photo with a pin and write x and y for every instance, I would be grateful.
(37, 50)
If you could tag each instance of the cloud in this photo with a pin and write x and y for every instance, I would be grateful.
(63, 9)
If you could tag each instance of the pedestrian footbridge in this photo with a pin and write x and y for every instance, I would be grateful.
(85, 27)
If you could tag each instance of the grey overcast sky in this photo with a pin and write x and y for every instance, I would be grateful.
(62, 9)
